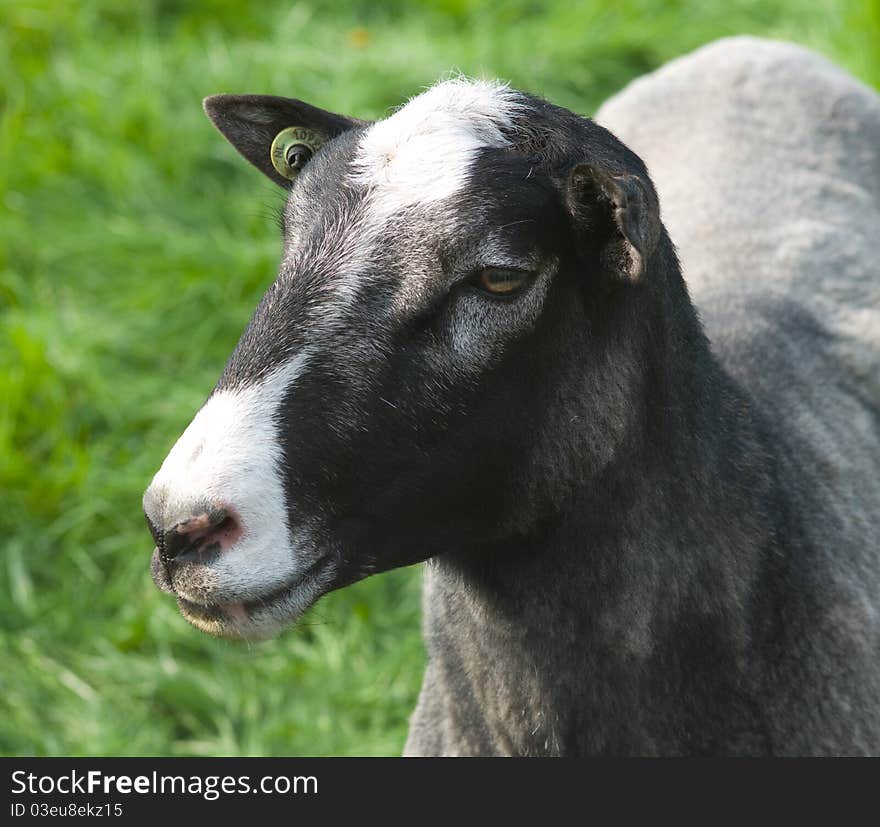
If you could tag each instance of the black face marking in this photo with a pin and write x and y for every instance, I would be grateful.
(318, 223)
(413, 405)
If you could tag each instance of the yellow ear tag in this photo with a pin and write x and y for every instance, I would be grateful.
(292, 149)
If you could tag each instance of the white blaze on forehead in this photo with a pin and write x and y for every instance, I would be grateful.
(230, 456)
(423, 152)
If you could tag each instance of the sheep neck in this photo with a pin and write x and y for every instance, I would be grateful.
(630, 610)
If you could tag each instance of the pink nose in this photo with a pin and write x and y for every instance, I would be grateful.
(210, 530)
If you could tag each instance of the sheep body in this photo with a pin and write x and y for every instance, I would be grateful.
(767, 161)
(732, 607)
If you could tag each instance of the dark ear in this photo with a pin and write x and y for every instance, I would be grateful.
(617, 212)
(251, 123)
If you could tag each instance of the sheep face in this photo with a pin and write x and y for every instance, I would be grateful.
(397, 390)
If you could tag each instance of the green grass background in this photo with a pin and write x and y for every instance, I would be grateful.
(134, 244)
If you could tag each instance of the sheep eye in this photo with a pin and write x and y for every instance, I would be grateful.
(501, 281)
(292, 149)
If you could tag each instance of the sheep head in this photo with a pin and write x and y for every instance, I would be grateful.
(450, 347)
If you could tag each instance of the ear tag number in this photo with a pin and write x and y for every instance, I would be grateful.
(292, 149)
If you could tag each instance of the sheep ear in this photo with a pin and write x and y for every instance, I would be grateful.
(619, 213)
(263, 127)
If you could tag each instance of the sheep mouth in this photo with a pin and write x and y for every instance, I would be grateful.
(239, 611)
(255, 618)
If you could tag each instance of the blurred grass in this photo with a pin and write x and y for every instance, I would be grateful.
(134, 245)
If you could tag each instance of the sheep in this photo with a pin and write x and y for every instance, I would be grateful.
(645, 533)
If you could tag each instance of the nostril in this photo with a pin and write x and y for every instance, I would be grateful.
(214, 529)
